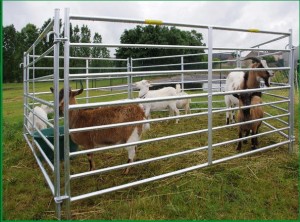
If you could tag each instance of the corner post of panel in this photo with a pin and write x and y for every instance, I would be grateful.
(33, 78)
(27, 73)
(129, 69)
(209, 115)
(291, 93)
(25, 99)
(56, 117)
(66, 112)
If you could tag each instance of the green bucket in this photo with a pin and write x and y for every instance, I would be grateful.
(49, 134)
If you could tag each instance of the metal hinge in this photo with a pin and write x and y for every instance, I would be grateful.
(56, 39)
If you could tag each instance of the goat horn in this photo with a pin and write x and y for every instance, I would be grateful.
(81, 85)
(254, 59)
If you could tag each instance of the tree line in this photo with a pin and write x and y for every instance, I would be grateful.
(15, 43)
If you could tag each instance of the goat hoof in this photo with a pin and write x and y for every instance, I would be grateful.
(126, 171)
(253, 147)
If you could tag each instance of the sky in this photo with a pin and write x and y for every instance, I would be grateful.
(278, 16)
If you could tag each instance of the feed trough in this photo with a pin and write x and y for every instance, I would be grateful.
(49, 134)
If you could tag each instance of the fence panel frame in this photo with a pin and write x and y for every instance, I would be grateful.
(66, 197)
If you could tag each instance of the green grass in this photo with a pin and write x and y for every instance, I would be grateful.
(262, 186)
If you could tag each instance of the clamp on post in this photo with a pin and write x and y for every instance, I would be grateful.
(56, 37)
(60, 199)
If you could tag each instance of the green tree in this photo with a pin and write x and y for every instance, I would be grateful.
(85, 37)
(97, 52)
(16, 43)
(28, 35)
(80, 35)
(10, 46)
(161, 35)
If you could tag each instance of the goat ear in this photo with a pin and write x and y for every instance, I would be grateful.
(236, 95)
(51, 89)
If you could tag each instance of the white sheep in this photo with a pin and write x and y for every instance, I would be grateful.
(144, 92)
(40, 111)
(183, 103)
(237, 80)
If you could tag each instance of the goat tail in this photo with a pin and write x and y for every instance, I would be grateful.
(178, 88)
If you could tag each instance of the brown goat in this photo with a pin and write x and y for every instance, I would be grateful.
(252, 77)
(247, 114)
(103, 116)
(237, 80)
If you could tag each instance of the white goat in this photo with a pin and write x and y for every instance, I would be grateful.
(237, 80)
(183, 103)
(144, 92)
(40, 111)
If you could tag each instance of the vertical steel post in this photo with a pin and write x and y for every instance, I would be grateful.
(209, 115)
(25, 99)
(291, 93)
(33, 82)
(27, 85)
(129, 69)
(56, 117)
(87, 81)
(66, 112)
(182, 75)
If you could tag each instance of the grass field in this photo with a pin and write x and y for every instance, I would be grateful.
(262, 186)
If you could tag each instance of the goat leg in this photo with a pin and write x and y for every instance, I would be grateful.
(232, 116)
(239, 146)
(90, 158)
(253, 141)
(246, 134)
(126, 171)
(131, 154)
